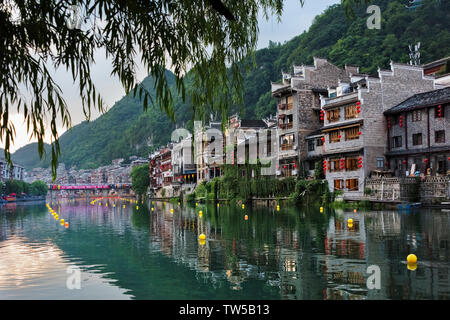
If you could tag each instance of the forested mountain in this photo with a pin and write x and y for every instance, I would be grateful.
(126, 130)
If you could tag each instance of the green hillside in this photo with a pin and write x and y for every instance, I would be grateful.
(126, 130)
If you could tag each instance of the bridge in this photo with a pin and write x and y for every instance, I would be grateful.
(87, 190)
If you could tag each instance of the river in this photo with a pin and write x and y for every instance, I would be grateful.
(294, 253)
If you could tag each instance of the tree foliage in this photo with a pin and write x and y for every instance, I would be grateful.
(140, 179)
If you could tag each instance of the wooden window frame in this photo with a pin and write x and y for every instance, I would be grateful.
(352, 133)
(334, 136)
(334, 115)
(351, 112)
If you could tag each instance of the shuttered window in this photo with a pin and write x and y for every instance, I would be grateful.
(333, 115)
(352, 184)
(351, 112)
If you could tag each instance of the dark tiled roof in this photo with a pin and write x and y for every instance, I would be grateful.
(404, 152)
(246, 123)
(422, 100)
(314, 133)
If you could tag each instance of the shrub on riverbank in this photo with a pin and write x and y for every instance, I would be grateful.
(244, 183)
(37, 188)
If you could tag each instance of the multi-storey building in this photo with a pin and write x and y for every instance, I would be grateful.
(418, 132)
(298, 108)
(207, 169)
(355, 129)
(14, 171)
(184, 168)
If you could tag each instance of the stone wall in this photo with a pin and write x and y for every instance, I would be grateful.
(431, 189)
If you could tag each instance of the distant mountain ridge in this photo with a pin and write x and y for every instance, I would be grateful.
(126, 130)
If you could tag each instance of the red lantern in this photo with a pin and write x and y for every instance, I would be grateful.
(358, 107)
(404, 161)
(322, 114)
(323, 139)
(425, 160)
(400, 121)
(448, 158)
(295, 166)
(439, 111)
(359, 133)
(339, 136)
(285, 167)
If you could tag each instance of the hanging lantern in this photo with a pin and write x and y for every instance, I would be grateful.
(339, 136)
(425, 160)
(359, 133)
(404, 161)
(322, 115)
(439, 111)
(358, 107)
(400, 121)
(323, 139)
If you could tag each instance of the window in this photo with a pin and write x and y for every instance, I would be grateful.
(380, 163)
(417, 115)
(335, 136)
(352, 184)
(290, 102)
(351, 112)
(319, 142)
(311, 145)
(338, 184)
(417, 139)
(396, 142)
(351, 163)
(352, 133)
(439, 136)
(333, 115)
(335, 166)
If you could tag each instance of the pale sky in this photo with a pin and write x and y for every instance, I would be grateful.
(294, 21)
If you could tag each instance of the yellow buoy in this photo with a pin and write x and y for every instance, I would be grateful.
(411, 266)
(202, 242)
(153, 209)
(106, 204)
(124, 206)
(321, 209)
(202, 237)
(411, 258)
(350, 221)
(171, 210)
(196, 204)
(137, 207)
(243, 206)
(114, 205)
(62, 221)
(218, 205)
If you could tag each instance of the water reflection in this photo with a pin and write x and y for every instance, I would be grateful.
(292, 254)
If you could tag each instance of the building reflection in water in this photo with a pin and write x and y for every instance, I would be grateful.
(309, 259)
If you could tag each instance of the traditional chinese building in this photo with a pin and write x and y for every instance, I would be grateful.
(354, 131)
(418, 132)
(298, 108)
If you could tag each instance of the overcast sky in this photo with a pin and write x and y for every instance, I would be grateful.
(294, 21)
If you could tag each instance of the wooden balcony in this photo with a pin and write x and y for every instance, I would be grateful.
(287, 146)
